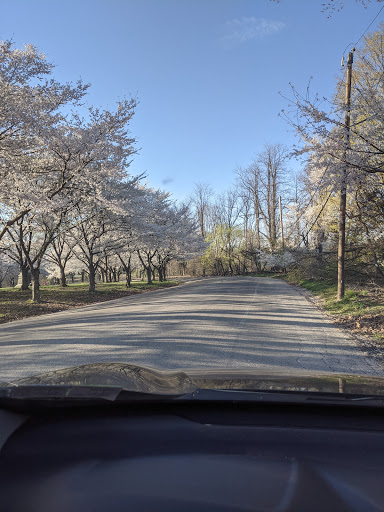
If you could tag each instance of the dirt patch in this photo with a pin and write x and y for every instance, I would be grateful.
(369, 324)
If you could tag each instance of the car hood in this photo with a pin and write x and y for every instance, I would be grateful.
(146, 380)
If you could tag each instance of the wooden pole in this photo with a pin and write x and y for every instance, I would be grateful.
(343, 184)
(281, 224)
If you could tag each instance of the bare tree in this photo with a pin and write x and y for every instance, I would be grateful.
(201, 201)
(271, 164)
(249, 184)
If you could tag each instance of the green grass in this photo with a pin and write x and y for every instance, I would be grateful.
(355, 302)
(16, 304)
(267, 274)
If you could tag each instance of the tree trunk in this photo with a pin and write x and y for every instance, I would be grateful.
(149, 275)
(92, 279)
(257, 214)
(107, 279)
(128, 278)
(35, 275)
(377, 266)
(24, 277)
(63, 279)
(127, 269)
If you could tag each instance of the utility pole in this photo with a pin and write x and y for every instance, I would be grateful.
(343, 184)
(281, 225)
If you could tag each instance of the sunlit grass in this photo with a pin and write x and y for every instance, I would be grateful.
(354, 302)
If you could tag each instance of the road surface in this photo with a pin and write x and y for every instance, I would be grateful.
(229, 322)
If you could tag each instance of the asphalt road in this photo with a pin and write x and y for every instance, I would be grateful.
(231, 322)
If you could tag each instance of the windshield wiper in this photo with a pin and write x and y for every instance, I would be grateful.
(72, 395)
(287, 397)
(44, 396)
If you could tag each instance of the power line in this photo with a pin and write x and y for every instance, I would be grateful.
(362, 35)
(326, 201)
(313, 224)
(369, 26)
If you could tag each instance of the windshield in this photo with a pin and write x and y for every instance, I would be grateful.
(192, 187)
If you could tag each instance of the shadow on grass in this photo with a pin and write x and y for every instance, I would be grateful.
(16, 304)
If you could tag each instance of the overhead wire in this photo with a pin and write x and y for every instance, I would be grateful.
(369, 26)
(365, 31)
(305, 234)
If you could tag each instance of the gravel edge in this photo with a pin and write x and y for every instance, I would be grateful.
(364, 342)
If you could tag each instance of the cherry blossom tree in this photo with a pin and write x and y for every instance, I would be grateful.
(30, 106)
(180, 239)
(59, 253)
(76, 165)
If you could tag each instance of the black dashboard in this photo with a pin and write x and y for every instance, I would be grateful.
(194, 457)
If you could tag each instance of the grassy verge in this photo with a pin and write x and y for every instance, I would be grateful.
(15, 304)
(361, 310)
(277, 275)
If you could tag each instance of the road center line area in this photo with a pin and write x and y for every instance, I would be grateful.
(227, 322)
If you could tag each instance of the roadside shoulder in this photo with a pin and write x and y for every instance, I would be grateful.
(366, 343)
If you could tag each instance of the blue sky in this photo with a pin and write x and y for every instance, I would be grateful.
(206, 73)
